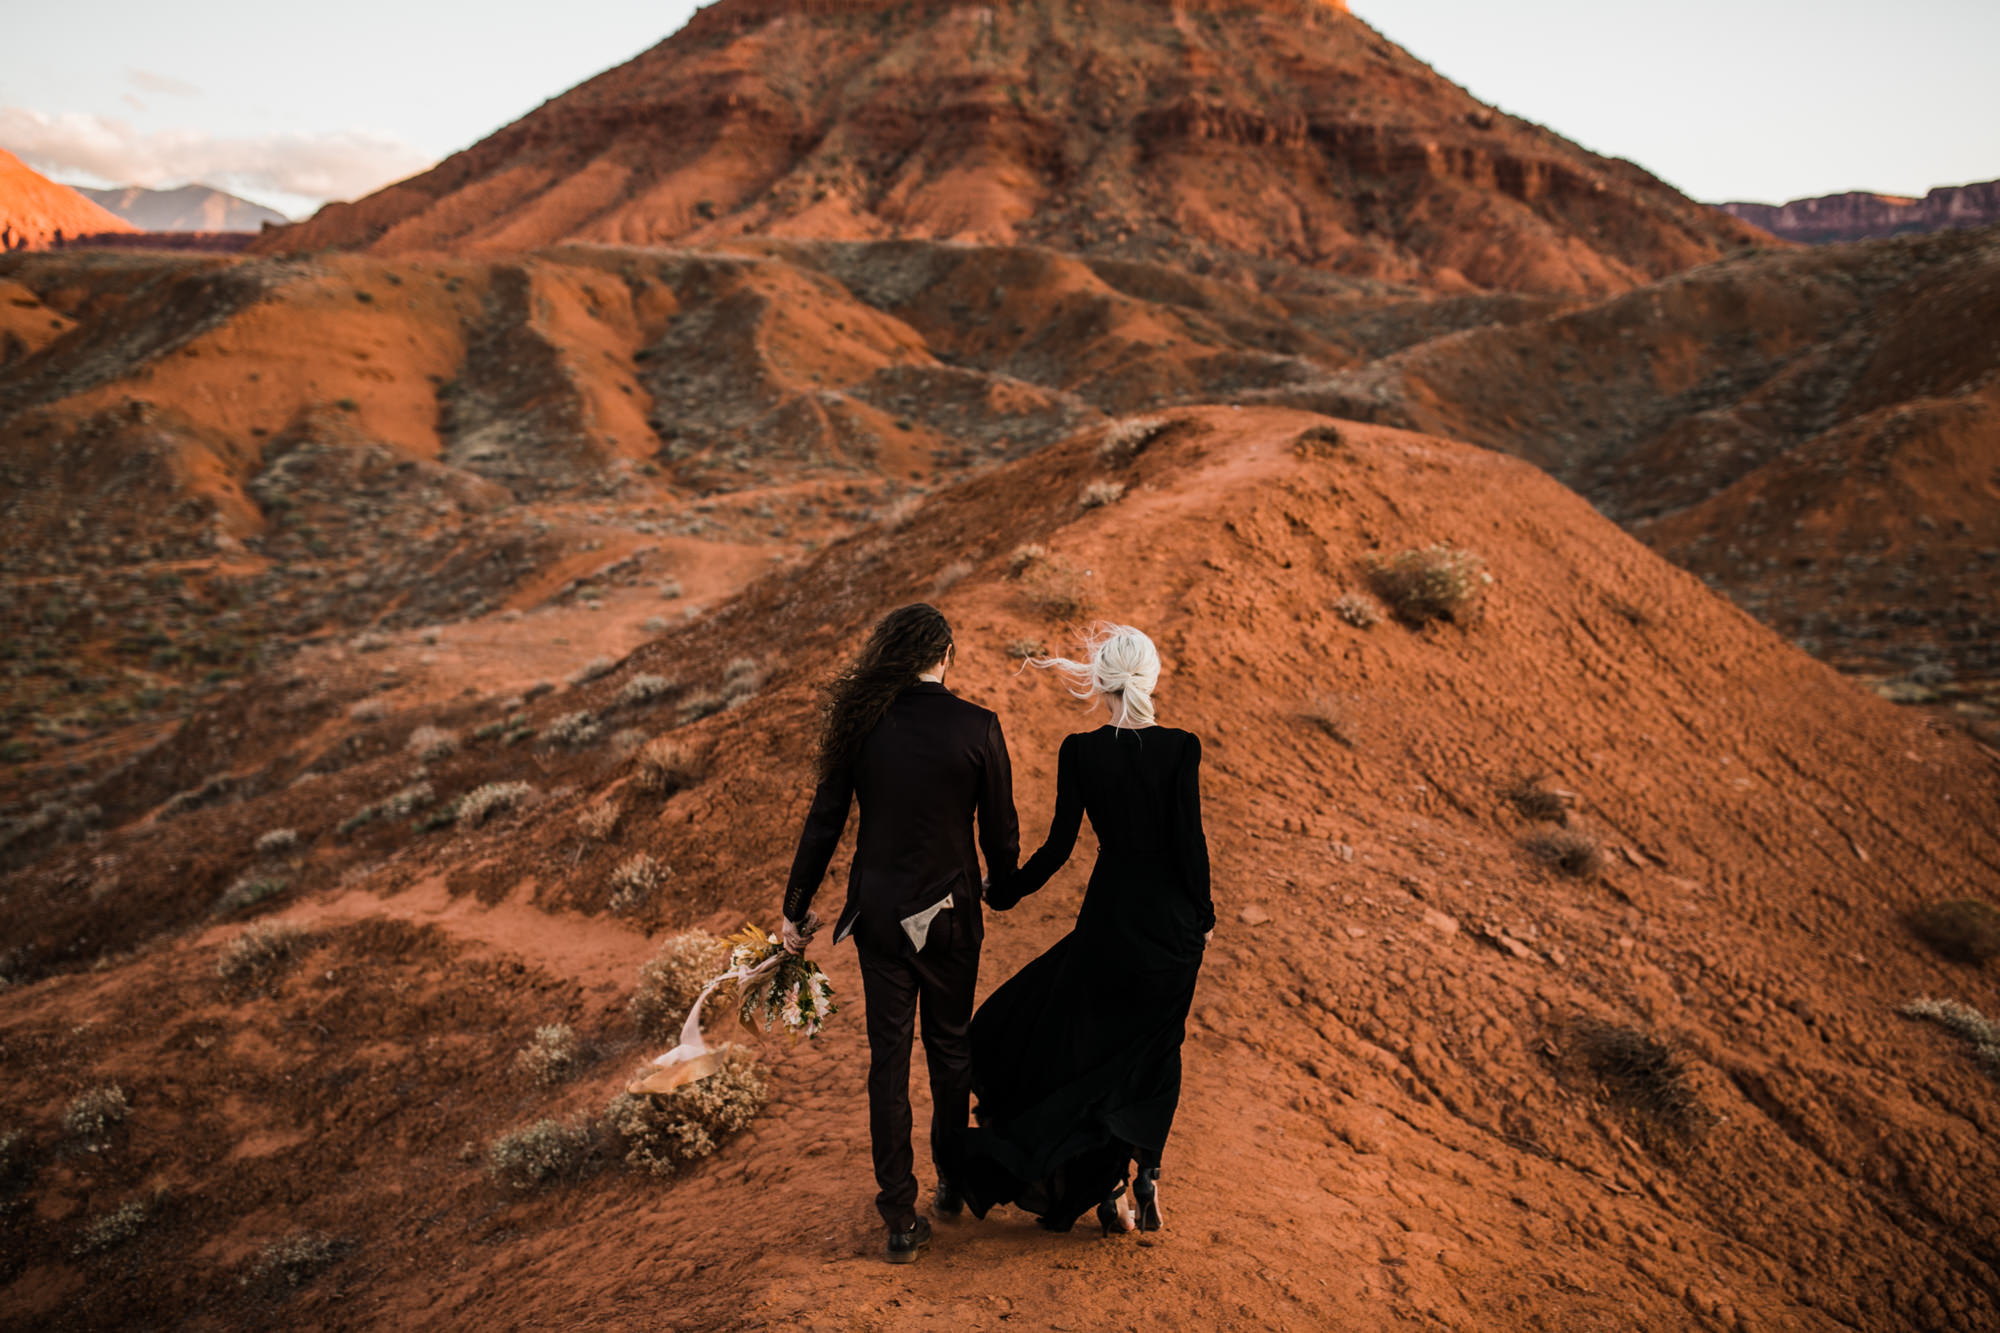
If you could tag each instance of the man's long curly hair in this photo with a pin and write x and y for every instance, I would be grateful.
(906, 642)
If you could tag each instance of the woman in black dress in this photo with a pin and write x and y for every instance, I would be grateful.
(1076, 1060)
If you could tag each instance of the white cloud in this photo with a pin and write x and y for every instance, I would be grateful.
(317, 167)
(148, 82)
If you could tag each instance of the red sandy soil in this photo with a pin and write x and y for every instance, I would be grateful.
(1385, 1122)
(1217, 136)
(36, 212)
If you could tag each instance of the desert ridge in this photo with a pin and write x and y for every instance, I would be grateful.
(1592, 794)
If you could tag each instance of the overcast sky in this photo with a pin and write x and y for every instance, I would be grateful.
(293, 105)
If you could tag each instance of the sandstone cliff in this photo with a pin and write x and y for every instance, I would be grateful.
(1858, 215)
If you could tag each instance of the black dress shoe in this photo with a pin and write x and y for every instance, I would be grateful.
(947, 1201)
(905, 1246)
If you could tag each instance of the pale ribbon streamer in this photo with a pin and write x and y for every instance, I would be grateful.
(692, 1046)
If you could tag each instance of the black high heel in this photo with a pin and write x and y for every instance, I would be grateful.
(1146, 1193)
(1108, 1215)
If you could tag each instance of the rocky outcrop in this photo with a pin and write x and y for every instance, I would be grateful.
(1859, 216)
(1228, 137)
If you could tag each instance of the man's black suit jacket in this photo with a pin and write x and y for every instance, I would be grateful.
(930, 765)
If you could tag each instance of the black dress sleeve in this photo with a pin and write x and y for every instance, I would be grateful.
(1061, 841)
(825, 821)
(1190, 842)
(999, 828)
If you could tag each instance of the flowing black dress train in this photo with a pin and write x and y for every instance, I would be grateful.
(1076, 1060)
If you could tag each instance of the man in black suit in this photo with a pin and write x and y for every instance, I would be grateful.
(921, 762)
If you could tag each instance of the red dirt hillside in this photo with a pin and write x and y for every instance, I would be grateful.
(1222, 135)
(1433, 1077)
(1813, 431)
(35, 211)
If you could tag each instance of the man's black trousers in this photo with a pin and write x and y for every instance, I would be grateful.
(938, 981)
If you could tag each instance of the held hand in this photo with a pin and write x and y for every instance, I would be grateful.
(1209, 936)
(796, 935)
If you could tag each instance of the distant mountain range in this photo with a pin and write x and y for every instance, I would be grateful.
(190, 208)
(1858, 215)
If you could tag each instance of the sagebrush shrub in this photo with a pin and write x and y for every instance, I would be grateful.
(1126, 438)
(92, 1115)
(1533, 798)
(634, 881)
(482, 803)
(554, 1056)
(247, 891)
(1569, 850)
(1641, 1073)
(1358, 609)
(113, 1229)
(260, 952)
(1432, 583)
(1025, 557)
(293, 1261)
(429, 743)
(277, 842)
(578, 728)
(664, 766)
(591, 670)
(542, 1153)
(1327, 715)
(741, 679)
(597, 820)
(660, 1134)
(644, 688)
(671, 979)
(1964, 1020)
(1097, 494)
(1053, 587)
(1323, 441)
